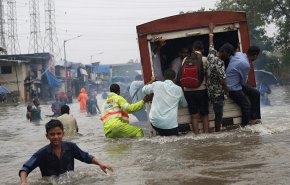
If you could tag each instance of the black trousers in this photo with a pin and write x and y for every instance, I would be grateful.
(166, 132)
(249, 101)
(254, 97)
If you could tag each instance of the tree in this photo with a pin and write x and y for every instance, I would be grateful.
(256, 20)
(259, 14)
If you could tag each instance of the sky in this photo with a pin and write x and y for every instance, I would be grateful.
(107, 27)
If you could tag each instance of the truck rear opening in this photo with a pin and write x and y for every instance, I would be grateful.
(181, 31)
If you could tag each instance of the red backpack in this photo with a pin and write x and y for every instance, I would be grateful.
(191, 72)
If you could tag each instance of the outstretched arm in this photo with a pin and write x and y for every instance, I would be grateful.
(130, 108)
(211, 27)
(23, 178)
(103, 166)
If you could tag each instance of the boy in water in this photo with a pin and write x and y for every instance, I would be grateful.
(28, 113)
(36, 111)
(57, 157)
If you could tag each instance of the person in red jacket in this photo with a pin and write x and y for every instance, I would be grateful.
(83, 97)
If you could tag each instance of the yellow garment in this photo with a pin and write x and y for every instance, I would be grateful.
(83, 97)
(70, 125)
(115, 117)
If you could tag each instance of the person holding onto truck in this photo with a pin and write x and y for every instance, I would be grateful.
(177, 62)
(247, 97)
(196, 95)
(167, 97)
(157, 59)
(216, 81)
(115, 116)
(250, 88)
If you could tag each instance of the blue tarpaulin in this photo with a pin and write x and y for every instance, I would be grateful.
(52, 80)
(102, 69)
(4, 90)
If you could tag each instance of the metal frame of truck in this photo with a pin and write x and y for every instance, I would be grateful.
(191, 26)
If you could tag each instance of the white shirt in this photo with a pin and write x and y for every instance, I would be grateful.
(69, 124)
(164, 108)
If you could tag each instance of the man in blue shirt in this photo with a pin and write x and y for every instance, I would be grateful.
(237, 77)
(164, 108)
(57, 157)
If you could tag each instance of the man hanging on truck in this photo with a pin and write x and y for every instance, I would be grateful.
(176, 63)
(192, 77)
(157, 59)
(216, 80)
(167, 98)
(247, 97)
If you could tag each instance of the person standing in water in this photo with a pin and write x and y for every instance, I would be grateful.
(83, 97)
(115, 116)
(36, 111)
(69, 122)
(29, 112)
(92, 105)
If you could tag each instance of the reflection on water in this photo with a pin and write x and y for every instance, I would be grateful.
(253, 155)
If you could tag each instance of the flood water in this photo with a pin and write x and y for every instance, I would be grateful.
(255, 155)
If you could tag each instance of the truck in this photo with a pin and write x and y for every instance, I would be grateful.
(182, 30)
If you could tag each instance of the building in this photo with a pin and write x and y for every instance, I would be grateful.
(29, 75)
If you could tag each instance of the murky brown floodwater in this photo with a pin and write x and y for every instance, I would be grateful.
(255, 155)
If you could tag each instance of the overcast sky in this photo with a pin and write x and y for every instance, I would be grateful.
(108, 27)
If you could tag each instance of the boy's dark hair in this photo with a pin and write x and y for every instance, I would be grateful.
(35, 100)
(115, 88)
(228, 48)
(29, 107)
(53, 123)
(198, 45)
(64, 109)
(253, 50)
(169, 74)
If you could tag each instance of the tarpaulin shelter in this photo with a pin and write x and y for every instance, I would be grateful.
(4, 90)
(52, 80)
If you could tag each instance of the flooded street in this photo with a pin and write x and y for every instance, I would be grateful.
(254, 155)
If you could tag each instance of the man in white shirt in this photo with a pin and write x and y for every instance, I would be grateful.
(167, 97)
(69, 122)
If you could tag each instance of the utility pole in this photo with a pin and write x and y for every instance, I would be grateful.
(13, 43)
(35, 42)
(51, 40)
(65, 61)
(2, 22)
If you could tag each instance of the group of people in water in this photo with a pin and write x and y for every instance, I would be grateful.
(87, 103)
(217, 83)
